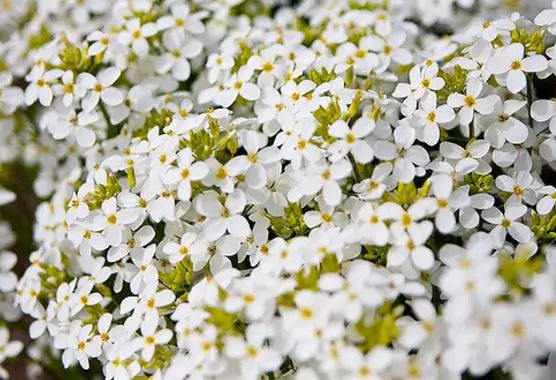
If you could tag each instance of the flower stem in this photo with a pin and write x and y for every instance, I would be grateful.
(356, 173)
(530, 99)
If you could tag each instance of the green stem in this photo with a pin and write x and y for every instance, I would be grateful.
(530, 99)
(356, 173)
(112, 129)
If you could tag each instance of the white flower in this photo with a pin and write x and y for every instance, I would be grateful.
(366, 367)
(510, 61)
(547, 17)
(149, 339)
(253, 164)
(8, 349)
(40, 86)
(547, 202)
(389, 49)
(222, 217)
(182, 19)
(177, 252)
(6, 197)
(322, 177)
(255, 358)
(11, 97)
(506, 222)
(68, 122)
(351, 140)
(406, 155)
(507, 127)
(519, 187)
(81, 345)
(100, 88)
(186, 172)
(8, 279)
(470, 102)
(136, 35)
(238, 84)
(430, 115)
(70, 90)
(179, 51)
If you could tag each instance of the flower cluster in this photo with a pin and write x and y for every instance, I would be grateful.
(245, 190)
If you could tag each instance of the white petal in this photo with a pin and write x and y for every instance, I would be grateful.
(250, 91)
(520, 232)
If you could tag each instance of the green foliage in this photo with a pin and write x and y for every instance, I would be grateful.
(478, 183)
(291, 224)
(544, 227)
(157, 118)
(227, 323)
(42, 37)
(95, 198)
(382, 329)
(455, 82)
(179, 279)
(533, 43)
(515, 270)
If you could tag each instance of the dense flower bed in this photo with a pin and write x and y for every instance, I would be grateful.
(253, 189)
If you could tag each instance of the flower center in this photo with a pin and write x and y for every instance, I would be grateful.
(470, 101)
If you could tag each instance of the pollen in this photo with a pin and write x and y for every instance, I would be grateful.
(184, 174)
(426, 83)
(442, 202)
(306, 313)
(431, 117)
(350, 138)
(388, 50)
(150, 340)
(302, 144)
(221, 174)
(518, 330)
(327, 217)
(252, 157)
(506, 223)
(518, 191)
(183, 251)
(516, 65)
(238, 85)
(225, 213)
(364, 371)
(248, 298)
(406, 219)
(470, 101)
(268, 67)
(252, 351)
(112, 219)
(206, 346)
